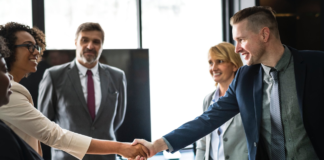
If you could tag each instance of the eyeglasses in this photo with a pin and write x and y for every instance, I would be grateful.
(30, 47)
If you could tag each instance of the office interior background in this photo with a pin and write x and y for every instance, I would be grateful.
(162, 46)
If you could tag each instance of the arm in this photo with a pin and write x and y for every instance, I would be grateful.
(201, 149)
(111, 147)
(121, 109)
(30, 124)
(217, 114)
(201, 144)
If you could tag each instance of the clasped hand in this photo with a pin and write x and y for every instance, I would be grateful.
(149, 146)
(132, 150)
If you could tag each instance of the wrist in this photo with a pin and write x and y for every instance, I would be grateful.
(120, 147)
(159, 145)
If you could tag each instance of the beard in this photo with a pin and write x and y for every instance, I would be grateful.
(89, 58)
(256, 58)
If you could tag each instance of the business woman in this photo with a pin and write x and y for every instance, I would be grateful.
(228, 141)
(26, 45)
(11, 147)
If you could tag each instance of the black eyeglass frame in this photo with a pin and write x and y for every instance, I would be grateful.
(31, 48)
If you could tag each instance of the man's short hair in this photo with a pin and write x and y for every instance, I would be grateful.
(258, 17)
(90, 26)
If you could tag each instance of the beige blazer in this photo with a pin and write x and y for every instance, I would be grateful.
(32, 126)
(235, 147)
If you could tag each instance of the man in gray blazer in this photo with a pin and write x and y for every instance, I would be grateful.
(85, 96)
(234, 145)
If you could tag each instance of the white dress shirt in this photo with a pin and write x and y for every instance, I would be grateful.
(96, 80)
(216, 142)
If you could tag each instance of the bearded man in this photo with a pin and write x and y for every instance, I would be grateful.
(85, 96)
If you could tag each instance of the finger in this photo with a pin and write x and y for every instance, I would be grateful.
(134, 142)
(136, 158)
(141, 152)
(147, 151)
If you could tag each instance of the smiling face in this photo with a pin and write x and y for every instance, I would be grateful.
(26, 62)
(88, 48)
(5, 84)
(222, 72)
(248, 43)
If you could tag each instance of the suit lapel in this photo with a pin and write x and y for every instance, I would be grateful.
(257, 95)
(74, 77)
(107, 86)
(300, 75)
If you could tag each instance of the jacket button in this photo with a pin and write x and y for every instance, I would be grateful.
(225, 139)
(255, 144)
(227, 157)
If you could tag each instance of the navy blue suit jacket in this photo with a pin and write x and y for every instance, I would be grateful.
(244, 95)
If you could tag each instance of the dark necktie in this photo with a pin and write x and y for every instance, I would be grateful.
(91, 95)
(277, 134)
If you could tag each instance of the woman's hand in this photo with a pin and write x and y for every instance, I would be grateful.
(131, 151)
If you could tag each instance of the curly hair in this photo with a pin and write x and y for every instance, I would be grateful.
(9, 30)
(4, 51)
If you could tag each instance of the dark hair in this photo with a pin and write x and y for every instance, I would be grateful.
(4, 51)
(90, 26)
(257, 16)
(9, 30)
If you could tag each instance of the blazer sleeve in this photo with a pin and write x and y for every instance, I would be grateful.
(201, 143)
(28, 121)
(121, 110)
(47, 97)
(217, 114)
(201, 149)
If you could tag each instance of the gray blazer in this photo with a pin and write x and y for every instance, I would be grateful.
(61, 99)
(235, 147)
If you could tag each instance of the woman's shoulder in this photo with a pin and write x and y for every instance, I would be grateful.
(19, 92)
(18, 87)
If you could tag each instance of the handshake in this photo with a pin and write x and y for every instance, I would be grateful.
(141, 149)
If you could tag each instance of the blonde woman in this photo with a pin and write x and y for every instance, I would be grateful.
(227, 141)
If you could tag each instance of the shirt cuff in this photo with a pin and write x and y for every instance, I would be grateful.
(170, 148)
(79, 145)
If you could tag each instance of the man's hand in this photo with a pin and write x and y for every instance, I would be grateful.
(132, 150)
(148, 145)
(157, 146)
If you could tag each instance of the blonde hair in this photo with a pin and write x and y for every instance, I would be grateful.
(226, 52)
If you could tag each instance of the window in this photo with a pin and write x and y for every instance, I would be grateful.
(11, 12)
(178, 34)
(117, 18)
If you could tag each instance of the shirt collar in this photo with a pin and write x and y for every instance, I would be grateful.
(83, 70)
(282, 63)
